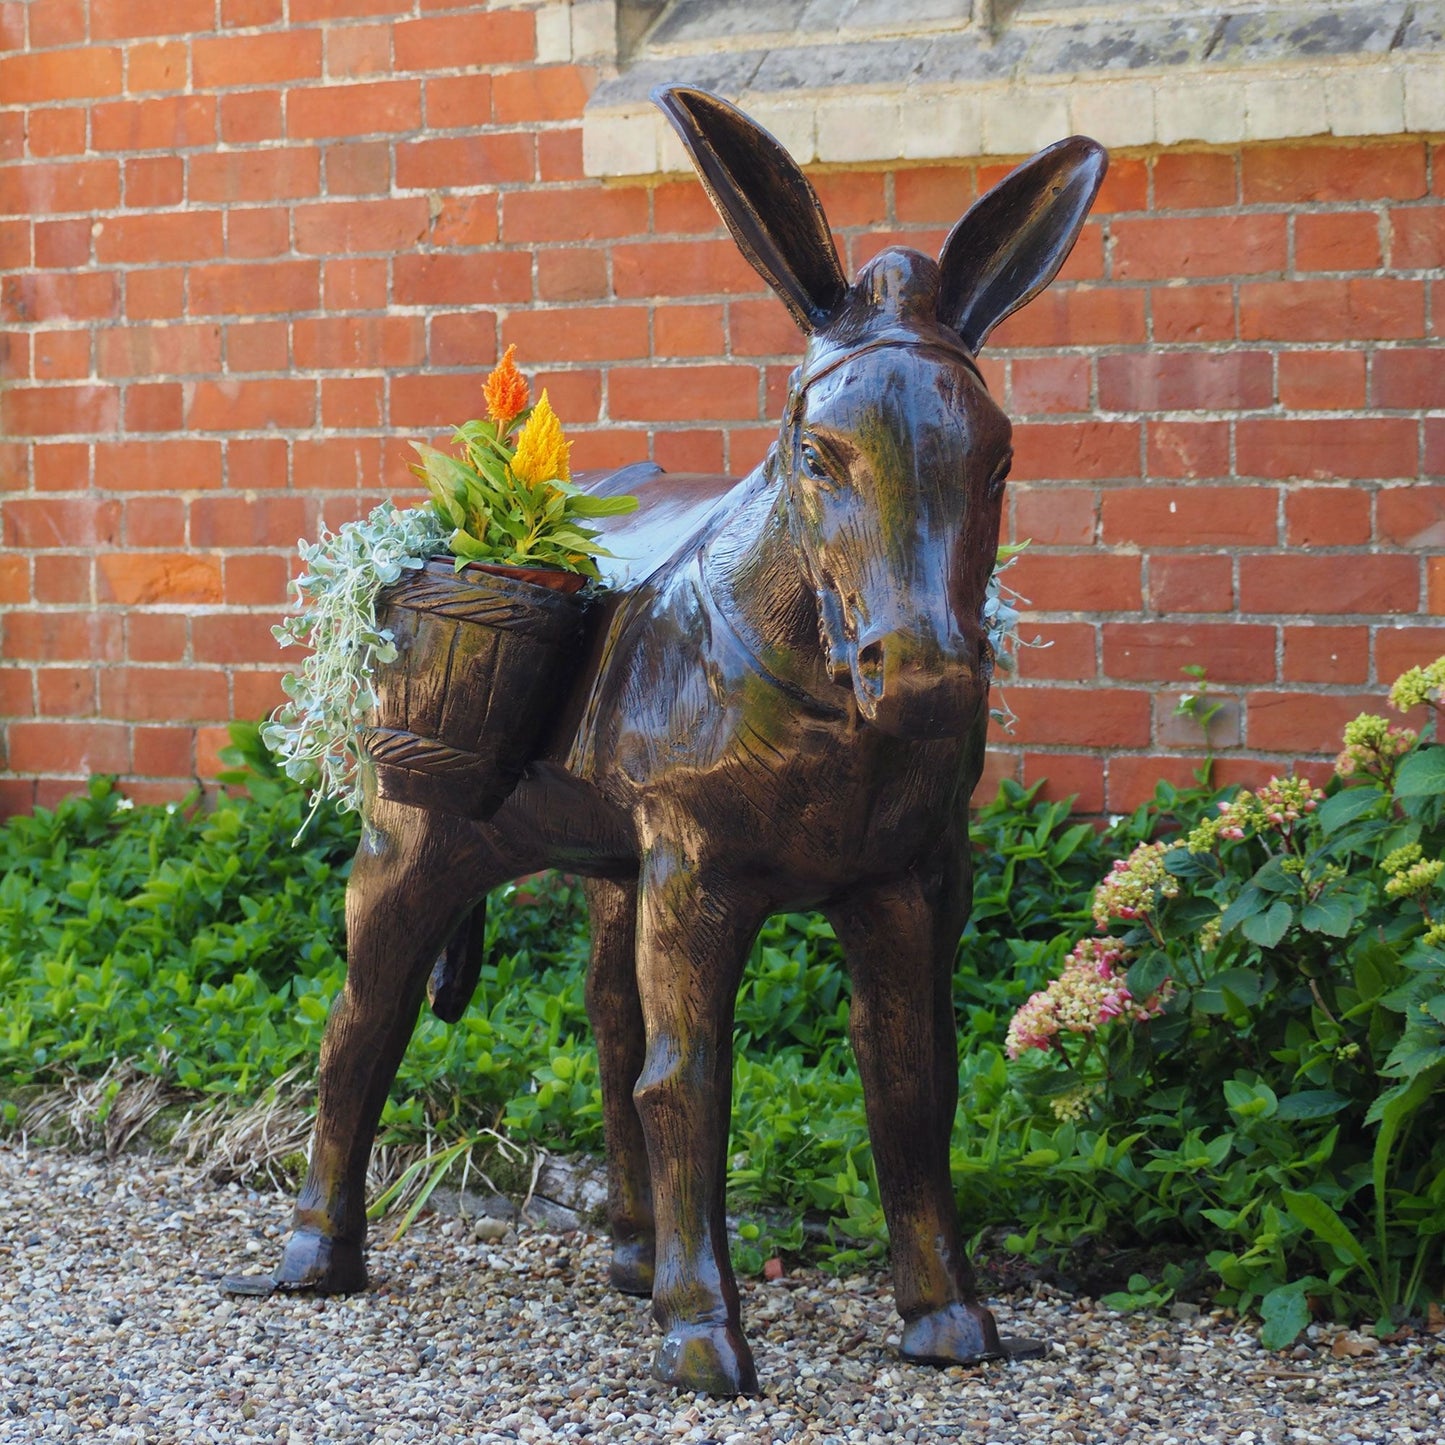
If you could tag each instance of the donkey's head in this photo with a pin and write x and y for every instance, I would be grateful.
(892, 456)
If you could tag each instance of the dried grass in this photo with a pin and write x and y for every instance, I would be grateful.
(264, 1142)
(261, 1141)
(250, 1142)
(105, 1113)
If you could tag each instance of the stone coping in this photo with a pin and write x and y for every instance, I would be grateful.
(962, 85)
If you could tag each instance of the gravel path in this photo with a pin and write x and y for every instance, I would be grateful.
(112, 1328)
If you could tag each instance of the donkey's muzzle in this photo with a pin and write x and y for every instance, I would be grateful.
(918, 696)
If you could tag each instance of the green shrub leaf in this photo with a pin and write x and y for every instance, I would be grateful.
(1315, 1215)
(1311, 1104)
(1422, 774)
(1249, 901)
(1267, 928)
(1331, 914)
(1242, 985)
(1285, 1312)
(1347, 806)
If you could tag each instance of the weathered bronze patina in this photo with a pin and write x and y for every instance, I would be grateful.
(784, 708)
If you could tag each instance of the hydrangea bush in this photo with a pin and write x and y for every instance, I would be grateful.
(1260, 1015)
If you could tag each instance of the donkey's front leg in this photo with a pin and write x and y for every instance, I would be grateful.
(900, 940)
(694, 928)
(414, 876)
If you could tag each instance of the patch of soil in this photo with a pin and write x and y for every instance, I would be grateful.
(1092, 1266)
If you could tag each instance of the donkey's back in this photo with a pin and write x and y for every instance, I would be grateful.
(674, 512)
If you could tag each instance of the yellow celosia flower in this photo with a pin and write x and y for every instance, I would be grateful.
(541, 448)
(506, 391)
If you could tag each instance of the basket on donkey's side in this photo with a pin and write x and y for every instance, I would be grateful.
(483, 659)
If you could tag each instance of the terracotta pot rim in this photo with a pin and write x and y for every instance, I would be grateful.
(554, 579)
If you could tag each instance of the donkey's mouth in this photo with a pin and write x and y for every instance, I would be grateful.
(904, 685)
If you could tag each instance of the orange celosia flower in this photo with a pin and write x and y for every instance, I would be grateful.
(541, 448)
(506, 391)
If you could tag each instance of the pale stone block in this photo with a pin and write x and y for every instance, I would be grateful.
(1021, 120)
(594, 30)
(1365, 102)
(672, 156)
(794, 127)
(554, 34)
(1200, 109)
(859, 128)
(1119, 114)
(619, 145)
(942, 126)
(1425, 95)
(1285, 106)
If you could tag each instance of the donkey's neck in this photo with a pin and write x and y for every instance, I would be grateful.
(755, 578)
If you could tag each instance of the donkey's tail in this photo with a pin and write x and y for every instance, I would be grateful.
(454, 977)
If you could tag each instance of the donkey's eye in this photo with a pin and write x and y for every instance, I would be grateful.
(1000, 475)
(812, 464)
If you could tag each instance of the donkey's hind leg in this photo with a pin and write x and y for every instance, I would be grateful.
(415, 875)
(616, 1014)
(900, 939)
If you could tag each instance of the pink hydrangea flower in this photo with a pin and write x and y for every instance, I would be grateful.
(1089, 992)
(1132, 885)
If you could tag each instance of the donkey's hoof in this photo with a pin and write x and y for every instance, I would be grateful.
(631, 1267)
(312, 1264)
(711, 1359)
(319, 1264)
(957, 1334)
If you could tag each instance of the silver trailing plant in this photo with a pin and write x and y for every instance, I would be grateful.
(313, 734)
(1001, 626)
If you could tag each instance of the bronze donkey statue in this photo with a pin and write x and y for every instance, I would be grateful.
(785, 711)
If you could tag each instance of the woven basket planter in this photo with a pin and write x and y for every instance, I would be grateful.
(484, 660)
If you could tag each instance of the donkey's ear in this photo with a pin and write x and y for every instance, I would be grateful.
(1013, 240)
(772, 211)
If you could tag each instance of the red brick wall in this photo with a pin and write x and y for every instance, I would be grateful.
(242, 265)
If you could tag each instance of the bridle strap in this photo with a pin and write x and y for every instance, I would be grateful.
(831, 363)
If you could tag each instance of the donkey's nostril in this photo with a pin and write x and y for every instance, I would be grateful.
(870, 668)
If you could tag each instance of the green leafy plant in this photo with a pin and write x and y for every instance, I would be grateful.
(507, 497)
(1200, 710)
(193, 942)
(1142, 1293)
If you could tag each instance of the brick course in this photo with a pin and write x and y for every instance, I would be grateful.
(245, 265)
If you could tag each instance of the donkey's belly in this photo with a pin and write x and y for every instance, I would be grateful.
(804, 824)
(556, 820)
